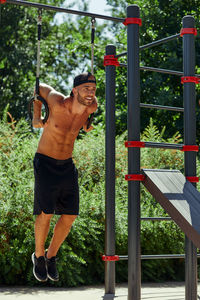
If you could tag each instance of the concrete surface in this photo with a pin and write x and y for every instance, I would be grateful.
(166, 291)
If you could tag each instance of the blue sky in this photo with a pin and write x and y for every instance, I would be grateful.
(98, 6)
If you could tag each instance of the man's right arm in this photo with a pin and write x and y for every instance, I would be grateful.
(45, 90)
(37, 105)
(48, 93)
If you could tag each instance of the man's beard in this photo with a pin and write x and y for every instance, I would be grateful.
(83, 101)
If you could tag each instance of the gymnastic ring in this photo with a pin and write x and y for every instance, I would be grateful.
(30, 104)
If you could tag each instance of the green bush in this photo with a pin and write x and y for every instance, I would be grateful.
(80, 255)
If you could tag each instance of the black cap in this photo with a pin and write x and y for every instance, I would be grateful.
(83, 78)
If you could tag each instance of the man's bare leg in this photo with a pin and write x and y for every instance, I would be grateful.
(42, 224)
(61, 231)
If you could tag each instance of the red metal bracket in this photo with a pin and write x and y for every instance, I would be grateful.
(110, 258)
(190, 79)
(110, 60)
(194, 148)
(192, 178)
(128, 21)
(138, 144)
(134, 177)
(188, 31)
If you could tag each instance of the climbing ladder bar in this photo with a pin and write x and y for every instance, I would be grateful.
(161, 107)
(163, 145)
(158, 70)
(156, 219)
(153, 44)
(157, 256)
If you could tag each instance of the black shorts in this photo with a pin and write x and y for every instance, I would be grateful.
(56, 186)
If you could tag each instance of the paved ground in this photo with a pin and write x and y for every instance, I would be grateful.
(167, 291)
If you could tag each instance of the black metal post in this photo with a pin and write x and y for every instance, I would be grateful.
(110, 177)
(134, 263)
(190, 157)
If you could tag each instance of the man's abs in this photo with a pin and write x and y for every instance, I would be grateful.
(55, 145)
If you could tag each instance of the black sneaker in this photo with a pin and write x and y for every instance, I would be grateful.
(52, 272)
(39, 268)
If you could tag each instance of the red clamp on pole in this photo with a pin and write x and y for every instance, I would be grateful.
(110, 258)
(110, 60)
(135, 177)
(134, 144)
(128, 21)
(188, 31)
(194, 148)
(192, 178)
(190, 79)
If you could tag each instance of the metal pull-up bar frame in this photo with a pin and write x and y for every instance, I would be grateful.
(189, 80)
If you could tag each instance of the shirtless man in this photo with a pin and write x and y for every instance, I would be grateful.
(56, 179)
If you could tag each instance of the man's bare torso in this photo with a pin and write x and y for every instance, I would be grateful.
(61, 130)
(67, 115)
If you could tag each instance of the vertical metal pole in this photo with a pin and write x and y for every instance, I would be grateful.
(190, 157)
(110, 176)
(134, 268)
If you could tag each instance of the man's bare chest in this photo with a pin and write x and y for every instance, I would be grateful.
(65, 122)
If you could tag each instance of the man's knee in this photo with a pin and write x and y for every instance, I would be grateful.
(44, 217)
(68, 220)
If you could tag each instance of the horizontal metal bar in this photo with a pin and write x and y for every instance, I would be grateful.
(155, 43)
(164, 256)
(122, 65)
(164, 71)
(121, 54)
(160, 256)
(162, 41)
(163, 145)
(63, 10)
(123, 257)
(156, 219)
(179, 109)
